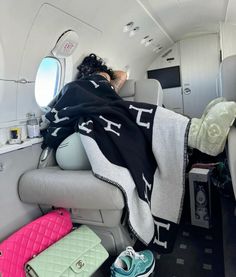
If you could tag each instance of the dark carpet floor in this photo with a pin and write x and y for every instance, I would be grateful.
(198, 252)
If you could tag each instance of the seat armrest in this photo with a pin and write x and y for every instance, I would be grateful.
(232, 156)
(69, 189)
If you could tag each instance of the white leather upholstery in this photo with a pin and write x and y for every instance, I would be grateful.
(227, 89)
(69, 189)
(79, 189)
(147, 90)
(144, 92)
(232, 156)
(91, 200)
(128, 90)
(71, 154)
(227, 80)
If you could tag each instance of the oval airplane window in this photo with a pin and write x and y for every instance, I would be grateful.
(47, 82)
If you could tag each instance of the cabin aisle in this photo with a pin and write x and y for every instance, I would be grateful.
(198, 251)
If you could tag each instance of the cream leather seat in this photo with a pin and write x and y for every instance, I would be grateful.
(227, 89)
(90, 200)
(227, 80)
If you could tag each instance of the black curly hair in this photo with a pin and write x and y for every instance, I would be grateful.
(93, 64)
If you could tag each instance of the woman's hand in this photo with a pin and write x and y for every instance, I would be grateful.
(120, 78)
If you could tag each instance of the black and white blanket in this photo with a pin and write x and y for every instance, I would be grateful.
(139, 147)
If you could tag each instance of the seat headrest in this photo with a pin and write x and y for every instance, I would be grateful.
(149, 91)
(128, 89)
(227, 80)
(146, 90)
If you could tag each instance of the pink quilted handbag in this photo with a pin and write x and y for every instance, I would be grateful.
(32, 239)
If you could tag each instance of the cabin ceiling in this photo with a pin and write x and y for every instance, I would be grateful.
(164, 21)
(184, 18)
(231, 12)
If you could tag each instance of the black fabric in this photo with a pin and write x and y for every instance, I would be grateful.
(88, 106)
(79, 98)
(84, 101)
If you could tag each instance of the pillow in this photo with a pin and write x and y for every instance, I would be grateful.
(71, 154)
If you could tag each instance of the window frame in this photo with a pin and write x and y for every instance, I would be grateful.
(61, 76)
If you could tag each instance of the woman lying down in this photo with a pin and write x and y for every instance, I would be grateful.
(139, 147)
(207, 134)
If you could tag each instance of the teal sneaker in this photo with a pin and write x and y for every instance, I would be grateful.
(132, 264)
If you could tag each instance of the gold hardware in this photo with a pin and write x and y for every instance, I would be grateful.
(80, 264)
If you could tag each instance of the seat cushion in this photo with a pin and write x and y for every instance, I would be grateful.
(127, 92)
(71, 155)
(69, 189)
(148, 91)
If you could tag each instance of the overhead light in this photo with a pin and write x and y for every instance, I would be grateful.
(128, 27)
(133, 32)
(147, 43)
(157, 48)
(144, 39)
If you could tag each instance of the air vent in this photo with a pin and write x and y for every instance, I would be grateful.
(145, 39)
(166, 53)
(128, 27)
(134, 31)
(170, 59)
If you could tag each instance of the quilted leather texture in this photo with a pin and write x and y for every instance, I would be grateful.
(32, 239)
(77, 254)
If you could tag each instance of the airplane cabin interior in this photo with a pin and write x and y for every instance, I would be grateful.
(117, 138)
